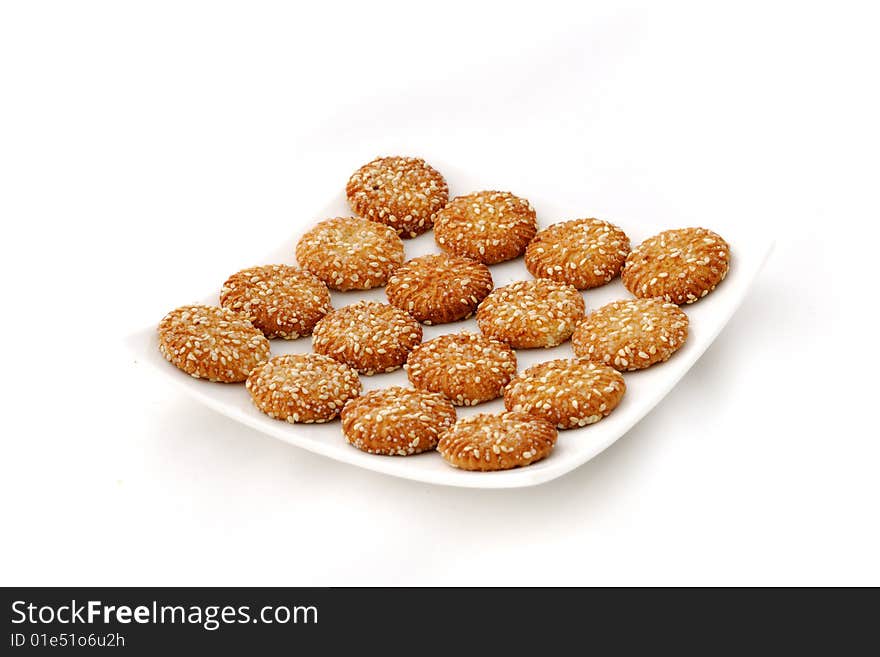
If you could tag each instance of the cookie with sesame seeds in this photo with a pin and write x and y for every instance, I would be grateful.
(349, 253)
(497, 442)
(396, 421)
(209, 342)
(681, 265)
(369, 336)
(632, 334)
(404, 193)
(489, 226)
(466, 368)
(280, 300)
(585, 253)
(307, 388)
(567, 392)
(531, 314)
(439, 288)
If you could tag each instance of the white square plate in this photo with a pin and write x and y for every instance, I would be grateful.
(574, 447)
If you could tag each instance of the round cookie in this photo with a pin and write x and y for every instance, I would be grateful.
(567, 392)
(304, 388)
(488, 227)
(585, 253)
(349, 253)
(396, 421)
(497, 442)
(466, 368)
(530, 314)
(632, 334)
(437, 289)
(280, 300)
(681, 266)
(209, 342)
(371, 337)
(402, 192)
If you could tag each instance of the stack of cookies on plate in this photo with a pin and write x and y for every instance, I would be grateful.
(397, 198)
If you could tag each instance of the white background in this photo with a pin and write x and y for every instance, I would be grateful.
(149, 149)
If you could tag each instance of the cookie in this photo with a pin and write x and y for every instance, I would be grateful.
(371, 337)
(466, 368)
(437, 289)
(567, 392)
(530, 314)
(585, 253)
(280, 300)
(681, 266)
(488, 227)
(632, 334)
(348, 253)
(497, 442)
(396, 421)
(209, 342)
(304, 388)
(401, 192)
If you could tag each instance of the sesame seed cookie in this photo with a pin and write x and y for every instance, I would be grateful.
(566, 392)
(396, 421)
(306, 388)
(681, 265)
(466, 368)
(585, 253)
(437, 289)
(632, 334)
(402, 192)
(371, 337)
(530, 314)
(209, 342)
(349, 253)
(497, 442)
(280, 300)
(489, 227)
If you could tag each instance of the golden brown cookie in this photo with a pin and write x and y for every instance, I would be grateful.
(349, 253)
(303, 387)
(530, 314)
(488, 227)
(402, 192)
(371, 337)
(497, 442)
(280, 300)
(208, 342)
(397, 421)
(568, 392)
(437, 289)
(632, 334)
(681, 265)
(585, 253)
(466, 368)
